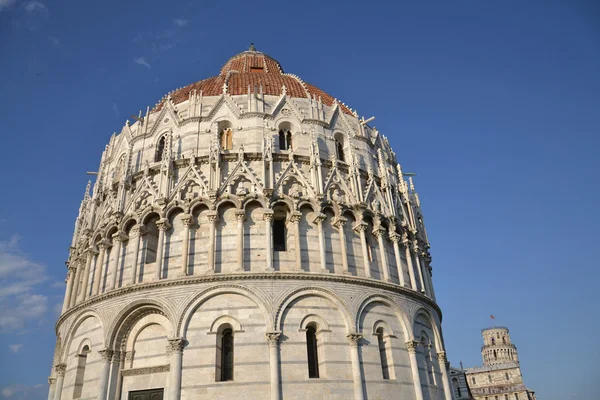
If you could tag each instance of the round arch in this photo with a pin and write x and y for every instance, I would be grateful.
(73, 329)
(295, 294)
(193, 304)
(128, 316)
(380, 298)
(437, 338)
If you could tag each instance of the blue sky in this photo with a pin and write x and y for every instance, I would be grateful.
(495, 105)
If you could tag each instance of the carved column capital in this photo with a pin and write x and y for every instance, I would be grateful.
(119, 237)
(240, 215)
(51, 381)
(339, 222)
(295, 217)
(379, 231)
(175, 345)
(411, 346)
(138, 230)
(394, 237)
(354, 338)
(60, 369)
(273, 338)
(319, 218)
(212, 216)
(106, 354)
(360, 227)
(442, 357)
(188, 220)
(268, 215)
(90, 252)
(163, 224)
(104, 244)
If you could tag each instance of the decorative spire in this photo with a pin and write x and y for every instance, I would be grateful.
(252, 48)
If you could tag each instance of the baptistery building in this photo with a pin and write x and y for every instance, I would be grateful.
(249, 235)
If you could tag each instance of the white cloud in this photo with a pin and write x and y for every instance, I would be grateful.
(15, 348)
(35, 6)
(5, 4)
(24, 392)
(180, 22)
(20, 278)
(141, 61)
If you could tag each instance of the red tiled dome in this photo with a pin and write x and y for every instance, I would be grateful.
(251, 69)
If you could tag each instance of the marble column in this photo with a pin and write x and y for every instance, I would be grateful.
(59, 371)
(354, 340)
(409, 264)
(273, 339)
(136, 234)
(361, 228)
(51, 388)
(339, 223)
(318, 220)
(76, 283)
(419, 269)
(295, 220)
(175, 353)
(114, 374)
(213, 218)
(70, 279)
(117, 239)
(106, 356)
(89, 253)
(188, 222)
(394, 237)
(444, 368)
(240, 216)
(411, 346)
(268, 218)
(102, 246)
(163, 225)
(379, 233)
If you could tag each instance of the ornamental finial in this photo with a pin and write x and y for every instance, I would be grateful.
(252, 48)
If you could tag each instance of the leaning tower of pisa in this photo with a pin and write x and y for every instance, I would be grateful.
(249, 234)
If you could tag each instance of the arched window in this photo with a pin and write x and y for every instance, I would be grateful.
(224, 364)
(288, 139)
(495, 355)
(503, 339)
(339, 146)
(279, 234)
(80, 374)
(457, 387)
(311, 348)
(507, 377)
(226, 139)
(489, 378)
(160, 149)
(493, 341)
(473, 380)
(383, 354)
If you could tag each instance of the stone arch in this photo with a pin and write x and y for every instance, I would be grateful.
(85, 342)
(200, 202)
(193, 304)
(127, 317)
(172, 209)
(400, 314)
(437, 338)
(314, 206)
(127, 223)
(294, 294)
(236, 203)
(283, 201)
(147, 214)
(235, 324)
(262, 201)
(73, 329)
(135, 330)
(312, 318)
(382, 324)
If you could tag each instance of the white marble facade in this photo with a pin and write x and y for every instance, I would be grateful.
(264, 213)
